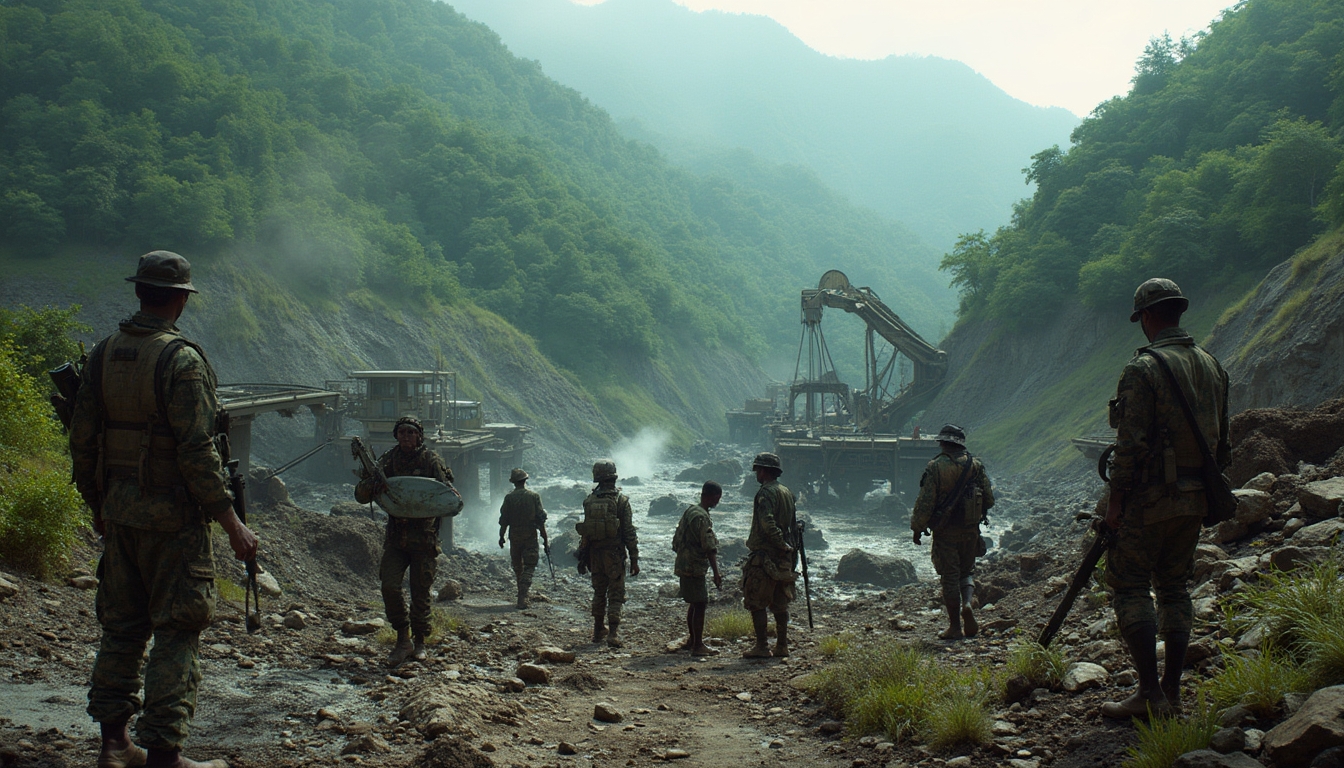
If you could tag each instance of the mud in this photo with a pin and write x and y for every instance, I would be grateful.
(1276, 439)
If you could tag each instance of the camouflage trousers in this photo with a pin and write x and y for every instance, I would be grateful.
(1158, 556)
(422, 561)
(152, 584)
(954, 561)
(607, 566)
(525, 556)
(767, 583)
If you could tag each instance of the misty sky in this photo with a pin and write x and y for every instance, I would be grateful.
(1068, 53)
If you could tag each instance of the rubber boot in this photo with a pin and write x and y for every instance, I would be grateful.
(614, 637)
(118, 751)
(760, 624)
(952, 602)
(1149, 698)
(599, 628)
(781, 650)
(420, 650)
(1176, 645)
(172, 758)
(402, 649)
(969, 627)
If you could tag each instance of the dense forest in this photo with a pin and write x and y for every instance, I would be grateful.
(392, 148)
(1221, 162)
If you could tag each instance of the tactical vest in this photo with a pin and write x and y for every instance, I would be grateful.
(137, 443)
(601, 517)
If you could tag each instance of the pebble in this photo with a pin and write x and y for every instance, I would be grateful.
(744, 696)
(553, 655)
(295, 620)
(606, 713)
(959, 762)
(84, 582)
(565, 748)
(676, 754)
(246, 663)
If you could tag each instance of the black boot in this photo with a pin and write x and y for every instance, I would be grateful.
(760, 623)
(1176, 645)
(1142, 642)
(599, 627)
(952, 602)
(967, 616)
(781, 635)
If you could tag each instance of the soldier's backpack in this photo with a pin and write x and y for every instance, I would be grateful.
(600, 518)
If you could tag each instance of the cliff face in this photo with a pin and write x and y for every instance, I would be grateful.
(256, 330)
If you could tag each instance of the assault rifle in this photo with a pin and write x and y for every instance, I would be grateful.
(67, 378)
(1105, 536)
(238, 487)
(371, 469)
(799, 528)
(546, 547)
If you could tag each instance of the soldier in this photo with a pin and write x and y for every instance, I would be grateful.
(522, 517)
(768, 576)
(606, 535)
(411, 543)
(697, 551)
(954, 494)
(1157, 498)
(142, 443)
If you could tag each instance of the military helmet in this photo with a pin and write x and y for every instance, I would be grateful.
(1155, 291)
(604, 469)
(517, 475)
(951, 433)
(164, 269)
(766, 460)
(409, 420)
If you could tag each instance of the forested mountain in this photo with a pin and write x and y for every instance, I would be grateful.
(1222, 162)
(925, 141)
(393, 153)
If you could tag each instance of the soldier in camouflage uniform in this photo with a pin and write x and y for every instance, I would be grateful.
(1157, 500)
(607, 533)
(522, 517)
(768, 576)
(411, 543)
(955, 517)
(697, 551)
(142, 443)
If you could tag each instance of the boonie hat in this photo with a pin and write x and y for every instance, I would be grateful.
(517, 475)
(1155, 291)
(164, 269)
(951, 433)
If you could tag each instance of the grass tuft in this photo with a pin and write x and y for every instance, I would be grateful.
(959, 722)
(228, 591)
(1258, 681)
(832, 644)
(1162, 740)
(443, 624)
(1043, 667)
(1302, 613)
(732, 625)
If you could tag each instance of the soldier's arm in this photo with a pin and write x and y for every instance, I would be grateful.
(765, 513)
(364, 489)
(629, 534)
(191, 407)
(986, 488)
(503, 521)
(1134, 413)
(84, 446)
(924, 503)
(540, 518)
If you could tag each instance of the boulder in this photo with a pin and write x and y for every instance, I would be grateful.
(368, 744)
(1317, 726)
(878, 570)
(295, 620)
(1230, 530)
(606, 713)
(1293, 525)
(451, 590)
(1082, 675)
(268, 585)
(1290, 558)
(533, 674)
(7, 589)
(563, 546)
(1227, 740)
(1207, 758)
(1322, 498)
(666, 506)
(723, 471)
(1261, 482)
(564, 496)
(1253, 506)
(83, 582)
(1322, 534)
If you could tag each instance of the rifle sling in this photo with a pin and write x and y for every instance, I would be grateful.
(957, 491)
(1185, 407)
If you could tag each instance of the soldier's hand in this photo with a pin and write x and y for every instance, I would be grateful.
(501, 542)
(916, 538)
(244, 542)
(1115, 505)
(634, 568)
(98, 526)
(718, 581)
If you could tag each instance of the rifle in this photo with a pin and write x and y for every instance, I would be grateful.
(238, 487)
(371, 469)
(799, 527)
(67, 378)
(546, 547)
(1105, 537)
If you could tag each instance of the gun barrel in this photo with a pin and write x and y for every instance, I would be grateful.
(1099, 546)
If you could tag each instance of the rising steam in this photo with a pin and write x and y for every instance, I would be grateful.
(639, 455)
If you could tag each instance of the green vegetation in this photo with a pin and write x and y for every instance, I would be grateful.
(729, 625)
(1042, 667)
(830, 645)
(230, 592)
(1257, 681)
(443, 624)
(1164, 739)
(1202, 173)
(895, 689)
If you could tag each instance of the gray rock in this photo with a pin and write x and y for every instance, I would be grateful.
(1227, 740)
(1254, 638)
(7, 589)
(1261, 482)
(878, 570)
(1317, 726)
(1082, 675)
(1253, 506)
(268, 585)
(1254, 739)
(732, 551)
(1290, 558)
(1322, 534)
(724, 472)
(565, 748)
(533, 674)
(1231, 530)
(1237, 717)
(368, 744)
(1322, 498)
(606, 713)
(363, 627)
(553, 655)
(1292, 526)
(83, 582)
(451, 590)
(1207, 758)
(666, 506)
(295, 620)
(1330, 758)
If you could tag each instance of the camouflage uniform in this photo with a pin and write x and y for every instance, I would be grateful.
(606, 557)
(411, 543)
(695, 542)
(1157, 466)
(767, 576)
(155, 475)
(956, 537)
(524, 516)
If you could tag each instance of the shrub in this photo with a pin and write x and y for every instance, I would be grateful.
(40, 518)
(732, 625)
(228, 591)
(832, 644)
(1042, 667)
(1163, 740)
(442, 624)
(1258, 681)
(959, 722)
(1286, 605)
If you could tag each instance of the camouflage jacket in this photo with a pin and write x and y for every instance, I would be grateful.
(694, 541)
(191, 407)
(1157, 460)
(523, 515)
(628, 537)
(421, 462)
(940, 479)
(773, 516)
